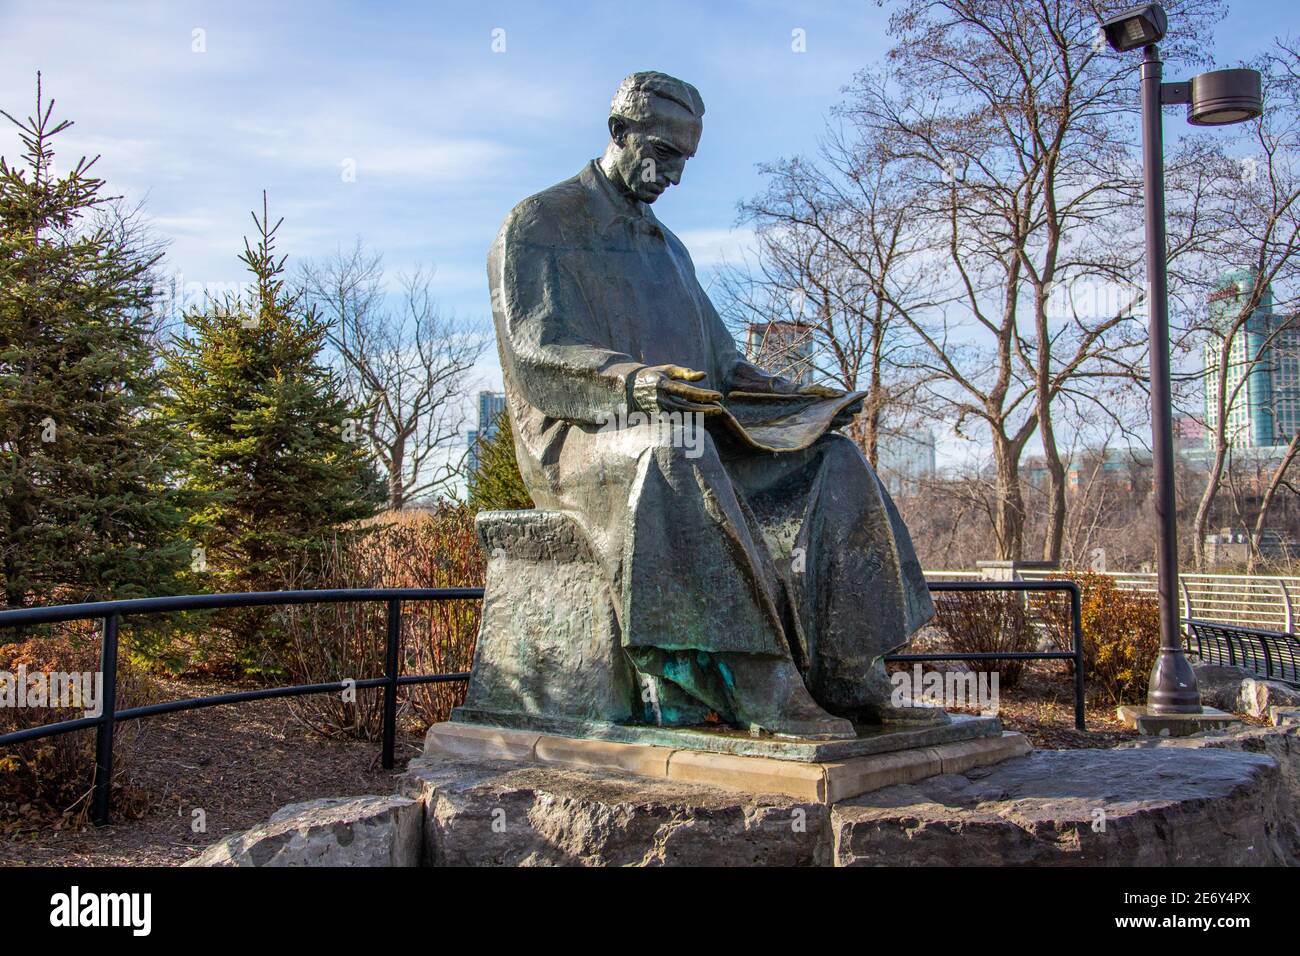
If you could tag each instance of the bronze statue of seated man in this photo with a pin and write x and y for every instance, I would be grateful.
(753, 559)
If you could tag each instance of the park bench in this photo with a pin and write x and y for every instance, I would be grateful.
(1274, 655)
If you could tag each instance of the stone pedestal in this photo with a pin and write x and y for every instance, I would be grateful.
(815, 772)
(1174, 725)
(1220, 799)
(1011, 570)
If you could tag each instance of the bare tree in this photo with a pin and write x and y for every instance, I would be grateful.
(1252, 264)
(1280, 478)
(808, 281)
(1002, 128)
(406, 367)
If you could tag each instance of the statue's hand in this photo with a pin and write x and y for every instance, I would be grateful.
(659, 388)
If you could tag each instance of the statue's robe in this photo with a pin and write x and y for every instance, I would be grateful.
(711, 548)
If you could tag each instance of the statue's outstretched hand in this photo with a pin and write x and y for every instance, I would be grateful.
(659, 388)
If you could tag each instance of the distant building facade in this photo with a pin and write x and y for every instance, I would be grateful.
(1264, 363)
(904, 458)
(1119, 468)
(490, 407)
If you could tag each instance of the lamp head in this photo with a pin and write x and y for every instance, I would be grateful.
(1222, 97)
(1136, 27)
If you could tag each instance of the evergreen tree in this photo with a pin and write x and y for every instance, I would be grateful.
(496, 484)
(87, 503)
(274, 449)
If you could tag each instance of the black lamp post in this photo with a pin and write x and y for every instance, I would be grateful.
(1213, 99)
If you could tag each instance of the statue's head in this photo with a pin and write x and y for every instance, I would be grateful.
(654, 128)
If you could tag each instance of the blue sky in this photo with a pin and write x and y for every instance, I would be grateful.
(445, 133)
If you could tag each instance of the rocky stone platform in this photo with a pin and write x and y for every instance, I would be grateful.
(1220, 800)
(1136, 807)
(332, 831)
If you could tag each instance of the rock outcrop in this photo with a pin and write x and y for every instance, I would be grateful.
(1243, 691)
(1217, 799)
(1281, 743)
(332, 831)
(1137, 807)
(503, 814)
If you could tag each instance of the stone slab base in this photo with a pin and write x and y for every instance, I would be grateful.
(821, 782)
(497, 813)
(331, 831)
(1077, 808)
(1174, 725)
(1152, 806)
(871, 739)
(1217, 799)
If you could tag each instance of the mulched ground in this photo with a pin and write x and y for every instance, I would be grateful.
(240, 763)
(1041, 707)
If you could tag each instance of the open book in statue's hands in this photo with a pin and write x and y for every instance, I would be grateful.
(776, 423)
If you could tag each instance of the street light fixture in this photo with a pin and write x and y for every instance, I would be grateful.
(1213, 99)
(1135, 27)
(1224, 97)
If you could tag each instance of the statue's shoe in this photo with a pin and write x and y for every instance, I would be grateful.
(825, 728)
(769, 695)
(918, 715)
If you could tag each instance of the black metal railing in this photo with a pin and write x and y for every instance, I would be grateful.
(111, 614)
(1274, 655)
(1075, 654)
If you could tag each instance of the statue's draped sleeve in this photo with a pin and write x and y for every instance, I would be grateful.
(558, 347)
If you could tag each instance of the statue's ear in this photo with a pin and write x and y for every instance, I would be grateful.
(618, 130)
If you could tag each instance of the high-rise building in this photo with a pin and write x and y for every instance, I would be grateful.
(490, 407)
(1265, 353)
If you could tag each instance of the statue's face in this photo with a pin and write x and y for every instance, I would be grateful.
(653, 152)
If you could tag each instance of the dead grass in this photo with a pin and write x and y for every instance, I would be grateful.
(1042, 708)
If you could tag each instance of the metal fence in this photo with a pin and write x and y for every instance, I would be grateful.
(111, 613)
(1075, 654)
(1257, 601)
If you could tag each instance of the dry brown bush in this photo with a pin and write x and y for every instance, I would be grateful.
(417, 549)
(1121, 636)
(49, 780)
(986, 622)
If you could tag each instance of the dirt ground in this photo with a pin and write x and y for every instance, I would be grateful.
(1041, 707)
(236, 763)
(240, 763)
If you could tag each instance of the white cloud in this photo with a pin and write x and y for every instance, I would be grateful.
(447, 160)
(710, 248)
